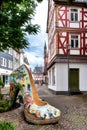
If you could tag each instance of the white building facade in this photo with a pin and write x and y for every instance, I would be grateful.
(9, 61)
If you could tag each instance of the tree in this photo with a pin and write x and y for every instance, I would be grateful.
(16, 21)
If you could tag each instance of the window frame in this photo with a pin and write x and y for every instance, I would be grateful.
(74, 14)
(3, 62)
(10, 64)
(74, 41)
(53, 76)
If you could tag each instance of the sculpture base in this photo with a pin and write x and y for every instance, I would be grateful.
(34, 120)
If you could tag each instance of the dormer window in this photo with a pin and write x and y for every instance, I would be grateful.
(74, 15)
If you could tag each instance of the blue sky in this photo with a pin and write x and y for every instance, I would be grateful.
(36, 47)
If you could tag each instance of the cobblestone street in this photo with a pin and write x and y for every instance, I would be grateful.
(73, 113)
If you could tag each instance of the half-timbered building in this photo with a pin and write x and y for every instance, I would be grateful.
(67, 46)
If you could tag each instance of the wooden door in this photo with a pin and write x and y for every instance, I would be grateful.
(74, 80)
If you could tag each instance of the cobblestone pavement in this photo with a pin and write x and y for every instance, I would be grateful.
(73, 112)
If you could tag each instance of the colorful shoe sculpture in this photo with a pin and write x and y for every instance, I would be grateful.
(35, 110)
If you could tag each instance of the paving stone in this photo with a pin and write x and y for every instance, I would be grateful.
(73, 113)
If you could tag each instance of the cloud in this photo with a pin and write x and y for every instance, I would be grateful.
(35, 53)
(34, 60)
(37, 43)
(41, 15)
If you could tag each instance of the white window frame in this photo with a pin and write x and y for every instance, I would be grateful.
(6, 80)
(10, 51)
(3, 62)
(74, 14)
(10, 64)
(74, 41)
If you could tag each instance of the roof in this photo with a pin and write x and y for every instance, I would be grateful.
(38, 70)
(78, 3)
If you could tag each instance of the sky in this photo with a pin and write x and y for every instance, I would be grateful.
(35, 53)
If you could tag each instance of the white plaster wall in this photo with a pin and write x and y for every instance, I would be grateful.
(61, 76)
(74, 25)
(5, 71)
(75, 52)
(50, 86)
(83, 77)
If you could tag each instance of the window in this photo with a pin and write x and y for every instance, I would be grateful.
(6, 80)
(74, 15)
(53, 76)
(10, 64)
(10, 51)
(74, 41)
(49, 77)
(3, 62)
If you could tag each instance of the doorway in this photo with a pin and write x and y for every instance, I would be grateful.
(6, 80)
(74, 80)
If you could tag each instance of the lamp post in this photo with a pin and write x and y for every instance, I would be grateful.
(68, 50)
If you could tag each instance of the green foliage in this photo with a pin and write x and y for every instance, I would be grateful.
(16, 21)
(4, 105)
(6, 126)
(1, 96)
(14, 97)
(18, 87)
(1, 82)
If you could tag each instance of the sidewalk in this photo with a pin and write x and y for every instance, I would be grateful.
(73, 109)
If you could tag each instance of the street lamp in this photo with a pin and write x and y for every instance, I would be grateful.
(68, 51)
